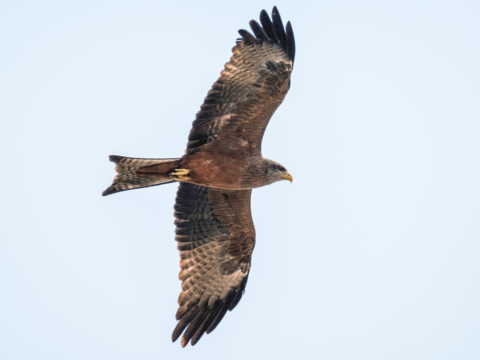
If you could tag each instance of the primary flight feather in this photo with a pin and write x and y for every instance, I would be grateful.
(223, 162)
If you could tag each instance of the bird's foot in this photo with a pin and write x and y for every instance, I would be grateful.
(180, 174)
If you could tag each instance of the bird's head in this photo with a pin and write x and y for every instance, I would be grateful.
(277, 172)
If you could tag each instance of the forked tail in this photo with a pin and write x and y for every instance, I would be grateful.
(138, 173)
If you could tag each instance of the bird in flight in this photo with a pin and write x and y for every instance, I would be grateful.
(223, 162)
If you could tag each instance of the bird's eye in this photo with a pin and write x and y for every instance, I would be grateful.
(281, 168)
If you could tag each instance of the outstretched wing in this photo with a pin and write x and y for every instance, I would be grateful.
(253, 84)
(216, 237)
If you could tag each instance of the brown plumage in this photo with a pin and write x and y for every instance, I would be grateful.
(221, 165)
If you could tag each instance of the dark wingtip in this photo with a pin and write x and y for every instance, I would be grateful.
(278, 26)
(268, 26)
(174, 337)
(290, 41)
(258, 30)
(176, 334)
(246, 36)
(271, 30)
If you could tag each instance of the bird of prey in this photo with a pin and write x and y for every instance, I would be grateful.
(223, 162)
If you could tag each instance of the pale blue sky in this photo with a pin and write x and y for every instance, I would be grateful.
(373, 251)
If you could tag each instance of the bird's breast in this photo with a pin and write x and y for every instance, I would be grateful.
(218, 171)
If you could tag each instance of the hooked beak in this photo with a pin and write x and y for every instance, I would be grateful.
(288, 177)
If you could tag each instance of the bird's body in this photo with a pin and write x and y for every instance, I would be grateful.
(223, 162)
(218, 171)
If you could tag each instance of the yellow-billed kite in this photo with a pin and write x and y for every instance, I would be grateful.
(223, 162)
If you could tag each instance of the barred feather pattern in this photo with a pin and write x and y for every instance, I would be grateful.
(215, 236)
(237, 109)
(127, 177)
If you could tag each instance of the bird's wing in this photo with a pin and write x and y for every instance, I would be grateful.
(216, 237)
(236, 111)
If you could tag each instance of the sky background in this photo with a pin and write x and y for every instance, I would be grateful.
(372, 252)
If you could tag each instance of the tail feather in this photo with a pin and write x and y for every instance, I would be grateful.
(128, 177)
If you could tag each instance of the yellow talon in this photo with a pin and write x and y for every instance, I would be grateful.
(180, 174)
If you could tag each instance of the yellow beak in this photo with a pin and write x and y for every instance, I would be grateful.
(288, 177)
